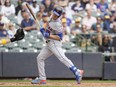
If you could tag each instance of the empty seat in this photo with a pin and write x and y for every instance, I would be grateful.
(30, 36)
(31, 50)
(25, 45)
(3, 49)
(39, 45)
(34, 40)
(74, 50)
(39, 35)
(11, 45)
(16, 50)
(68, 45)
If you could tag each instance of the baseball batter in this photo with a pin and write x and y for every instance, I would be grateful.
(53, 35)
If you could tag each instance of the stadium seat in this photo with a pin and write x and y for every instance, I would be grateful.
(25, 45)
(11, 17)
(22, 41)
(30, 36)
(74, 50)
(34, 33)
(16, 50)
(27, 36)
(11, 45)
(72, 38)
(14, 20)
(38, 45)
(39, 35)
(68, 45)
(34, 40)
(14, 2)
(92, 49)
(3, 49)
(31, 50)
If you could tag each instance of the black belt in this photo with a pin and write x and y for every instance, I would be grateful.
(47, 41)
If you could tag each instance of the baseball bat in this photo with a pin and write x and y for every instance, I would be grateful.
(34, 17)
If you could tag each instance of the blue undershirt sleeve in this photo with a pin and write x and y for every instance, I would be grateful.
(60, 35)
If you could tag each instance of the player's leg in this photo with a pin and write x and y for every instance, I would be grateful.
(58, 52)
(44, 54)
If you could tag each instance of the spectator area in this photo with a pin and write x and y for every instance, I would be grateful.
(85, 29)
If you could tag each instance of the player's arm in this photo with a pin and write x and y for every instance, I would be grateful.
(51, 36)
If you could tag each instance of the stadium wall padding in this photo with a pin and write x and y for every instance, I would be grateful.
(19, 64)
(92, 64)
(25, 65)
(0, 64)
(109, 70)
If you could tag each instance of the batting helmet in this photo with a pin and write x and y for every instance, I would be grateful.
(58, 11)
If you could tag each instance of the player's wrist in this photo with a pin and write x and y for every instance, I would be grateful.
(47, 35)
(42, 30)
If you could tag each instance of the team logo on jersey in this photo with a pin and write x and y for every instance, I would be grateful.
(49, 28)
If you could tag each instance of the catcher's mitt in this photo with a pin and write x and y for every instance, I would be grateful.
(18, 36)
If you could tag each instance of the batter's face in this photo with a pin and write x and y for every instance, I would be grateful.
(54, 17)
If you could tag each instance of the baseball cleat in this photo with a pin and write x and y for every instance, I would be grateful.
(38, 81)
(79, 76)
(78, 73)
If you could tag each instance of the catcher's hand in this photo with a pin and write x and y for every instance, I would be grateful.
(18, 36)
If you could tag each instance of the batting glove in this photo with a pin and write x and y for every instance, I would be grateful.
(42, 30)
(46, 35)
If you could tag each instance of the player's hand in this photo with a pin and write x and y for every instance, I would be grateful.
(18, 36)
(46, 35)
(42, 30)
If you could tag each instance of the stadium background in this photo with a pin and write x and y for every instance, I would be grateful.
(89, 43)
